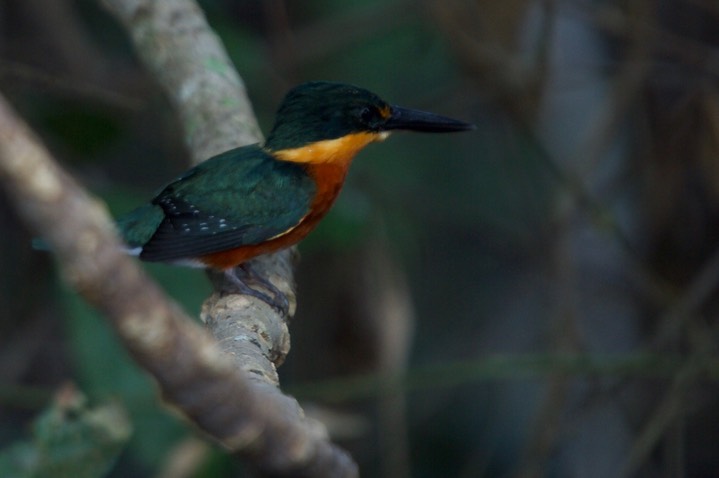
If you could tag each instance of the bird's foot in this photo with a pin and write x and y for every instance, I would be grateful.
(243, 274)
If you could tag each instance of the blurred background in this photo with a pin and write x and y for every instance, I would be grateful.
(545, 286)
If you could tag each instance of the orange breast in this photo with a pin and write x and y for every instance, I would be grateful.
(327, 162)
(329, 179)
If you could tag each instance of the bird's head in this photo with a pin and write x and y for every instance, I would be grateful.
(323, 111)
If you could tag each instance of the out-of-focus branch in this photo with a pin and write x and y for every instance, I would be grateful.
(180, 50)
(381, 299)
(195, 377)
(250, 417)
(187, 59)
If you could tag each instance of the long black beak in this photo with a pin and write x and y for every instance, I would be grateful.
(415, 120)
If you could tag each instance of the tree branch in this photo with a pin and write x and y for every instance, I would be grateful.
(187, 59)
(250, 417)
(178, 47)
(195, 377)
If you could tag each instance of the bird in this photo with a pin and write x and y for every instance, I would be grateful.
(261, 198)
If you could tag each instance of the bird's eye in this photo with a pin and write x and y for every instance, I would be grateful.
(367, 114)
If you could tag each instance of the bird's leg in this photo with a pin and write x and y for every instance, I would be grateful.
(244, 273)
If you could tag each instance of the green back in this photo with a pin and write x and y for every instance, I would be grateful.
(241, 197)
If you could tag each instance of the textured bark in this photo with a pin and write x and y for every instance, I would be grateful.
(205, 381)
(185, 56)
(195, 376)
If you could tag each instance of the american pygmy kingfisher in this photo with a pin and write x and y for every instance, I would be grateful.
(260, 198)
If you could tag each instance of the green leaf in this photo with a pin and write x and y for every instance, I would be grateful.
(71, 440)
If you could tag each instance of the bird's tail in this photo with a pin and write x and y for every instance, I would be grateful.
(135, 228)
(138, 227)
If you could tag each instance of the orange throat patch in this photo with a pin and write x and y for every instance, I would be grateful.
(339, 151)
(327, 162)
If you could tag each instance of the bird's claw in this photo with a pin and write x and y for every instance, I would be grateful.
(241, 275)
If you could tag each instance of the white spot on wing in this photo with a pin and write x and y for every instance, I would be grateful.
(194, 263)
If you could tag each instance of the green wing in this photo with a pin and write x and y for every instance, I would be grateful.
(241, 197)
(138, 226)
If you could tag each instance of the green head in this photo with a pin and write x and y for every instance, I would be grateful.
(322, 110)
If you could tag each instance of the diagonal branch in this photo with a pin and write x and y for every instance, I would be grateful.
(185, 56)
(249, 417)
(194, 376)
(187, 59)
